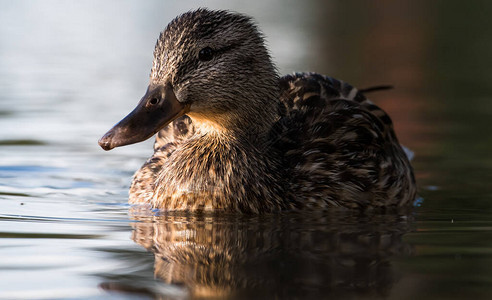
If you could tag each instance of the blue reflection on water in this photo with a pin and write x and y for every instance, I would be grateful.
(31, 169)
(70, 69)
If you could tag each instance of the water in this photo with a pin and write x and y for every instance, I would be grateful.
(69, 70)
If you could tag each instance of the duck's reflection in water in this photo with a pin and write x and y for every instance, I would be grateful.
(275, 256)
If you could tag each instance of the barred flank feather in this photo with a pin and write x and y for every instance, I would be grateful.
(340, 148)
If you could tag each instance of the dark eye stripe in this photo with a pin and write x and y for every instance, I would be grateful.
(208, 53)
(226, 48)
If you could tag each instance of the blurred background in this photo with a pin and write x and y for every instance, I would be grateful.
(69, 70)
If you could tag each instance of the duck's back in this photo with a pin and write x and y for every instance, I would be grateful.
(339, 149)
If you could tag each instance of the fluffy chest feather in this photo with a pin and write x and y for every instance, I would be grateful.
(205, 173)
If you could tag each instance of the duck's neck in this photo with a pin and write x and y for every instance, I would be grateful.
(250, 121)
(210, 132)
(224, 168)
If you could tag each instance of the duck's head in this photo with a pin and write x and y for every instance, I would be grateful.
(212, 66)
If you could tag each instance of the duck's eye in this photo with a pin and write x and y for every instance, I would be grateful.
(153, 101)
(206, 54)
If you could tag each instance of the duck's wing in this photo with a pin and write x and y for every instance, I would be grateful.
(339, 148)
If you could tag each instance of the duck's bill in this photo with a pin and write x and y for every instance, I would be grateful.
(158, 107)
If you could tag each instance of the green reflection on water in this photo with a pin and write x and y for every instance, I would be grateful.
(461, 78)
(438, 56)
(21, 143)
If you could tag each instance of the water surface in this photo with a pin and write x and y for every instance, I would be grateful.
(69, 70)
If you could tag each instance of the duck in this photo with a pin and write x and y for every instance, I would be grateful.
(233, 135)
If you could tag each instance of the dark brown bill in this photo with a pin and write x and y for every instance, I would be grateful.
(157, 108)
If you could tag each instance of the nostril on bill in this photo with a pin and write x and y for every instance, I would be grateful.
(105, 143)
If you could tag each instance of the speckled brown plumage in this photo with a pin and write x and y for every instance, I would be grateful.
(340, 148)
(254, 142)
